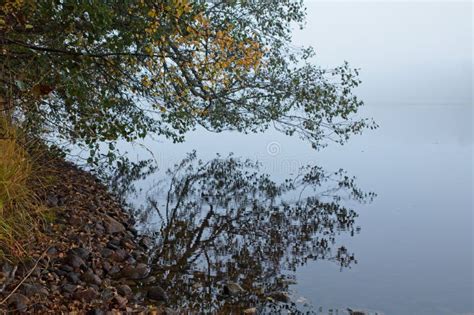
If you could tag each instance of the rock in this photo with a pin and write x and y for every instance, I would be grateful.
(124, 290)
(69, 288)
(86, 295)
(97, 311)
(149, 280)
(18, 302)
(73, 277)
(52, 252)
(120, 300)
(66, 268)
(92, 278)
(106, 252)
(32, 289)
(138, 272)
(112, 226)
(52, 201)
(74, 261)
(119, 255)
(80, 251)
(280, 296)
(250, 311)
(232, 288)
(131, 261)
(157, 293)
(107, 294)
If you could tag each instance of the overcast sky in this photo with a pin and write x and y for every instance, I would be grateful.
(410, 52)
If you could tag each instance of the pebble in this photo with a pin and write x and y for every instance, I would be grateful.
(19, 302)
(137, 272)
(157, 293)
(86, 295)
(112, 226)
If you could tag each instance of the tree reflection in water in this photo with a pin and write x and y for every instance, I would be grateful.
(223, 223)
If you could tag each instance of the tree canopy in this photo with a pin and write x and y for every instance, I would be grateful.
(95, 71)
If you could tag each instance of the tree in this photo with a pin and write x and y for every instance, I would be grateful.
(92, 72)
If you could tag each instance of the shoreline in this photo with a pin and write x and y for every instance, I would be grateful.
(89, 259)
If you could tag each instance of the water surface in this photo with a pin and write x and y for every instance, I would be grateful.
(414, 250)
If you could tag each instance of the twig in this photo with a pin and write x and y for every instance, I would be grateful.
(26, 277)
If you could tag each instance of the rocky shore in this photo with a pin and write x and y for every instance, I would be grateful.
(90, 259)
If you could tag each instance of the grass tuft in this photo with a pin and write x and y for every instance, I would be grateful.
(22, 213)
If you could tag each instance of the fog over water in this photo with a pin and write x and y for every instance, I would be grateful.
(415, 248)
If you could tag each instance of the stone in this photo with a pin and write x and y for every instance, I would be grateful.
(120, 300)
(250, 311)
(18, 302)
(52, 252)
(80, 251)
(112, 226)
(69, 288)
(107, 294)
(86, 295)
(75, 261)
(124, 290)
(137, 272)
(32, 289)
(92, 278)
(52, 201)
(73, 277)
(106, 252)
(157, 293)
(66, 268)
(149, 280)
(119, 255)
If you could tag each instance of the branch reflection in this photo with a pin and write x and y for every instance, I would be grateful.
(230, 238)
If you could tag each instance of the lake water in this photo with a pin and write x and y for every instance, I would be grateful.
(414, 250)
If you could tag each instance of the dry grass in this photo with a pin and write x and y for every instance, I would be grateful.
(21, 211)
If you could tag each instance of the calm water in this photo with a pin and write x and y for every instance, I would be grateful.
(414, 249)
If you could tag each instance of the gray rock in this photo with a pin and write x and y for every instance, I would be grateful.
(32, 289)
(157, 293)
(52, 201)
(137, 272)
(120, 300)
(124, 290)
(75, 261)
(112, 226)
(86, 295)
(80, 251)
(149, 280)
(98, 311)
(66, 268)
(92, 278)
(73, 277)
(107, 294)
(119, 255)
(106, 252)
(69, 288)
(18, 302)
(52, 252)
